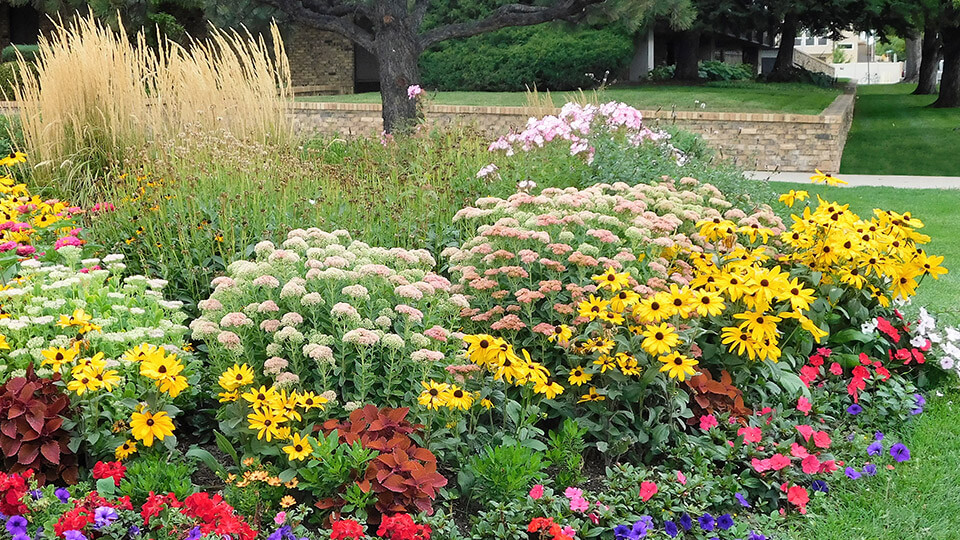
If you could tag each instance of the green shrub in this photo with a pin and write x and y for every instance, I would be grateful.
(710, 70)
(549, 56)
(157, 473)
(9, 53)
(502, 473)
(10, 79)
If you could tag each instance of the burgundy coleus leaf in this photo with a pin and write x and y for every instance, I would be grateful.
(10, 446)
(16, 409)
(51, 451)
(9, 429)
(394, 483)
(28, 453)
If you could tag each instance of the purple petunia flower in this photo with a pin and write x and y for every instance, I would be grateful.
(820, 485)
(706, 522)
(920, 403)
(671, 529)
(62, 494)
(686, 521)
(622, 532)
(869, 469)
(742, 500)
(875, 448)
(103, 516)
(16, 524)
(878, 436)
(133, 531)
(20, 536)
(725, 522)
(900, 452)
(74, 535)
(851, 473)
(756, 536)
(195, 534)
(854, 409)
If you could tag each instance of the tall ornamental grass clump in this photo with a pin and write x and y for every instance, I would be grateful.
(97, 95)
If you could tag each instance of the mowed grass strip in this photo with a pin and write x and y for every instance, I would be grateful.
(733, 96)
(895, 132)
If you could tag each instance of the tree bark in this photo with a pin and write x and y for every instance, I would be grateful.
(950, 82)
(929, 61)
(688, 56)
(783, 66)
(911, 64)
(398, 51)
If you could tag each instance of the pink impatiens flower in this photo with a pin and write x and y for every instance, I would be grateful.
(708, 421)
(681, 478)
(750, 434)
(804, 406)
(536, 492)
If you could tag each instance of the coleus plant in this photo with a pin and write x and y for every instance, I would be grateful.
(32, 436)
(404, 475)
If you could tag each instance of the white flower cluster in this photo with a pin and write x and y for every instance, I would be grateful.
(125, 312)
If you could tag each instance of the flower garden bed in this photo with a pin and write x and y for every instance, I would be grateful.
(621, 360)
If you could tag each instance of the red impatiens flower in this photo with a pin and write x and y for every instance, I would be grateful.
(836, 369)
(810, 464)
(806, 431)
(821, 439)
(798, 496)
(647, 490)
(779, 461)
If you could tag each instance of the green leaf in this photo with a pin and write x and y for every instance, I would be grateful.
(848, 335)
(227, 448)
(106, 487)
(207, 459)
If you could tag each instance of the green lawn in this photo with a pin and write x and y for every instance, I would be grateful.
(725, 96)
(937, 208)
(895, 132)
(919, 500)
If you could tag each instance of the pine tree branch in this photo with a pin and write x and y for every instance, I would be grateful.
(508, 15)
(331, 16)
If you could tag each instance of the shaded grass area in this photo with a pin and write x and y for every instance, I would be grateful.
(937, 208)
(740, 96)
(895, 132)
(919, 500)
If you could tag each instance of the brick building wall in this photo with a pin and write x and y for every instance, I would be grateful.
(754, 141)
(320, 62)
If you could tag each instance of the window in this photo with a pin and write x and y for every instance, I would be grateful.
(822, 41)
(798, 41)
(846, 46)
(811, 40)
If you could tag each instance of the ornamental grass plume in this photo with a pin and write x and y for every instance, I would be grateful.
(96, 93)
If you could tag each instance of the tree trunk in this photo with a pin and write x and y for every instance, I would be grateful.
(398, 53)
(929, 61)
(688, 56)
(783, 67)
(950, 82)
(911, 67)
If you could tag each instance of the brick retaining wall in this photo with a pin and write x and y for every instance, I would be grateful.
(754, 141)
(757, 141)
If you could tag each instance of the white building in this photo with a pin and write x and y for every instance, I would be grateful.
(852, 57)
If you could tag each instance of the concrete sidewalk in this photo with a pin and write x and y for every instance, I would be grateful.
(855, 180)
